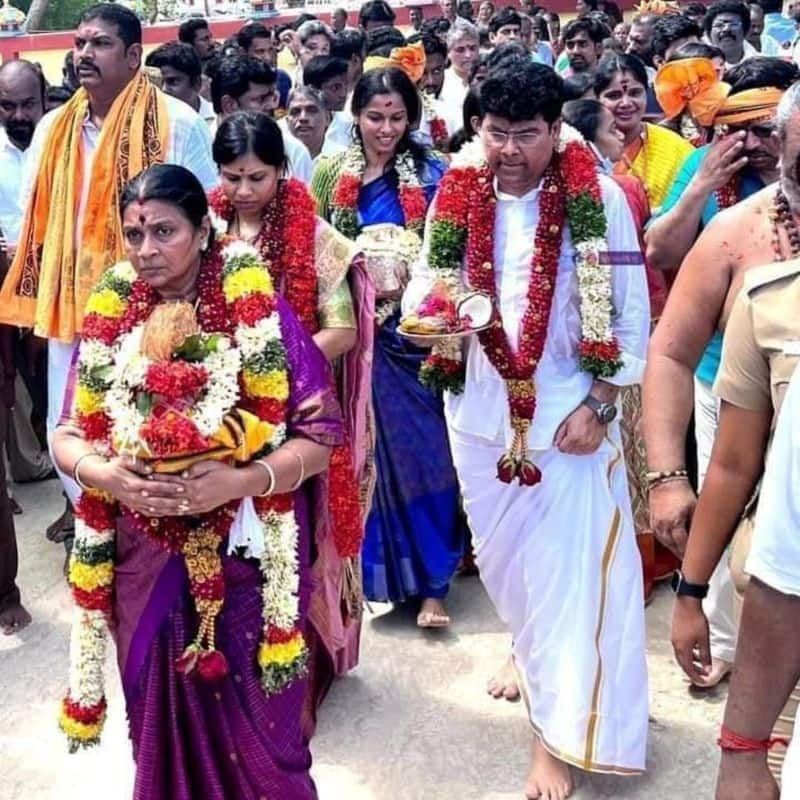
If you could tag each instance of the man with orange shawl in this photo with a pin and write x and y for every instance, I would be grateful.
(686, 347)
(82, 156)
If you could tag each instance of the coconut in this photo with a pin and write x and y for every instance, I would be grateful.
(476, 306)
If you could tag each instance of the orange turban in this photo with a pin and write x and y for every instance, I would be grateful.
(749, 106)
(658, 8)
(690, 84)
(410, 59)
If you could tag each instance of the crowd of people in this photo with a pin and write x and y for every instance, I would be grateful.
(327, 313)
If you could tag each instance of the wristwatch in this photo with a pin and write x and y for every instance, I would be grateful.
(682, 587)
(605, 412)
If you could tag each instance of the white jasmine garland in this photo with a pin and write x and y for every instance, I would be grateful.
(251, 338)
(222, 389)
(87, 638)
(594, 287)
(240, 250)
(219, 225)
(95, 354)
(279, 566)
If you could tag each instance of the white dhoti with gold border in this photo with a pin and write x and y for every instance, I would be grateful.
(559, 561)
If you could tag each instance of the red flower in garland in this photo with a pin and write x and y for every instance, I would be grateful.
(347, 189)
(251, 308)
(98, 599)
(266, 408)
(175, 380)
(104, 329)
(439, 132)
(414, 205)
(279, 503)
(286, 245)
(96, 427)
(580, 176)
(96, 513)
(88, 715)
(168, 433)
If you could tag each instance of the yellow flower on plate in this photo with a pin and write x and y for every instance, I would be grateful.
(249, 280)
(89, 577)
(107, 303)
(282, 654)
(273, 384)
(88, 401)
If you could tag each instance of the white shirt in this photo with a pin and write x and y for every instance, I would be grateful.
(747, 49)
(189, 145)
(453, 122)
(775, 552)
(206, 112)
(12, 169)
(561, 385)
(339, 135)
(451, 99)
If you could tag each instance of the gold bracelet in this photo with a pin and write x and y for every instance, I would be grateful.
(76, 476)
(301, 461)
(270, 474)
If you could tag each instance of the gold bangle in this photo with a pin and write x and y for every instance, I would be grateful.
(270, 474)
(667, 479)
(301, 461)
(76, 475)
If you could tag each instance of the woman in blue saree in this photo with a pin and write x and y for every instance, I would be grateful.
(377, 192)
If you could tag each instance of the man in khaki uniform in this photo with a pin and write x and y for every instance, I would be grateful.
(760, 354)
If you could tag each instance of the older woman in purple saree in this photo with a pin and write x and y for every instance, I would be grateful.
(210, 638)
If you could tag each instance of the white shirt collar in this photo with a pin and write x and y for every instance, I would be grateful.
(7, 144)
(531, 194)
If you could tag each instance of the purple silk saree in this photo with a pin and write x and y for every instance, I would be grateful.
(225, 740)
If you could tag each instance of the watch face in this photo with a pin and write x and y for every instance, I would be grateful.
(608, 413)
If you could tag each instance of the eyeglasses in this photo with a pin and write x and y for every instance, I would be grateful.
(521, 139)
(719, 25)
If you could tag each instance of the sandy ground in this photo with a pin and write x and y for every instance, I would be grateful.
(413, 722)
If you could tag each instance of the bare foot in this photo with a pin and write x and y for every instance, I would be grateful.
(720, 670)
(14, 619)
(433, 614)
(504, 682)
(63, 527)
(548, 778)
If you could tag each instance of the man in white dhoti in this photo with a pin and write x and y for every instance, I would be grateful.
(528, 221)
(768, 651)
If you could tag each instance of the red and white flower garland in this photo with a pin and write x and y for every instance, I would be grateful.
(238, 303)
(286, 243)
(344, 205)
(463, 231)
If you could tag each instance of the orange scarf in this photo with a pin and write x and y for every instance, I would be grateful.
(53, 275)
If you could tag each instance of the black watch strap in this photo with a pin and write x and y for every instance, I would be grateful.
(682, 587)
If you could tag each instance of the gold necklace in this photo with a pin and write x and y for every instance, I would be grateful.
(237, 230)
